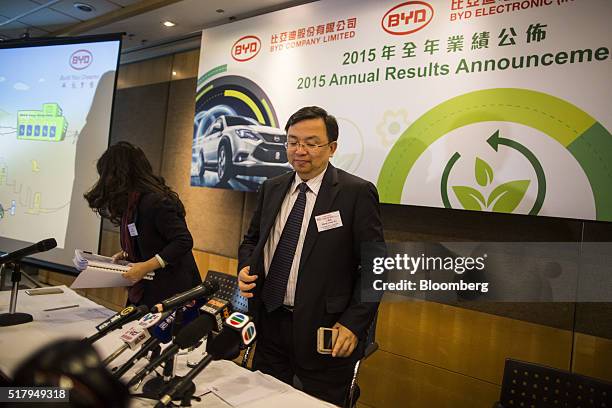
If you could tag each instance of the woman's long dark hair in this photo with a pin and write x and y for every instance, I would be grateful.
(124, 169)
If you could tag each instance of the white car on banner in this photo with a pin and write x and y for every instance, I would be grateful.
(237, 145)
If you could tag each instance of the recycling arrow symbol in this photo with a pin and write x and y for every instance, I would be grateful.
(495, 141)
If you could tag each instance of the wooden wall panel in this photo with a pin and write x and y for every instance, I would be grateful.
(391, 381)
(139, 117)
(593, 356)
(211, 262)
(148, 72)
(110, 243)
(467, 342)
(185, 65)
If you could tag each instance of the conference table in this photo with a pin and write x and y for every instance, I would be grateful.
(218, 379)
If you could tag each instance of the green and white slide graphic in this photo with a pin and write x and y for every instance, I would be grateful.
(588, 141)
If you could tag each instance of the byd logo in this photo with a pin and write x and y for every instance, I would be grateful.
(407, 18)
(246, 48)
(81, 59)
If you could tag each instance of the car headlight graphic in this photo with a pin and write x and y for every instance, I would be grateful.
(247, 134)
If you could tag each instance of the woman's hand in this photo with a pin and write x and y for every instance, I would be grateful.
(119, 256)
(138, 270)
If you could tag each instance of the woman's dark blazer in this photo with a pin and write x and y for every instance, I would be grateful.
(161, 230)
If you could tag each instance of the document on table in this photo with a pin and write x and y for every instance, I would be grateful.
(247, 387)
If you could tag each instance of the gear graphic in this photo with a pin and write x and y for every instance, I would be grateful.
(392, 125)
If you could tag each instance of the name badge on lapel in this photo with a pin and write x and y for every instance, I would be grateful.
(328, 221)
(132, 229)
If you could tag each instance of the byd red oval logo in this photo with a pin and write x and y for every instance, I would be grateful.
(246, 48)
(81, 59)
(407, 18)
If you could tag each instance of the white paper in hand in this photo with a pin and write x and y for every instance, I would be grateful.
(99, 271)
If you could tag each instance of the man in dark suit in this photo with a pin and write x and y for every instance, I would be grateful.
(299, 263)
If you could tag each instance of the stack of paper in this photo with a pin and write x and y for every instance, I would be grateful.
(82, 259)
(98, 271)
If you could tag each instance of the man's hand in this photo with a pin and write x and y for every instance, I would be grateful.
(345, 342)
(246, 282)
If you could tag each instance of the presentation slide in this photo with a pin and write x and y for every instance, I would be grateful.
(55, 112)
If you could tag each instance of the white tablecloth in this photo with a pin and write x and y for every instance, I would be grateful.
(18, 342)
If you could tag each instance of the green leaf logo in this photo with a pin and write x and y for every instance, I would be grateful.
(484, 172)
(470, 198)
(507, 196)
(504, 198)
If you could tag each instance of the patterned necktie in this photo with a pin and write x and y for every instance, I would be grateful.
(275, 284)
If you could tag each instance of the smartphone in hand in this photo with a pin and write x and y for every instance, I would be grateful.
(326, 338)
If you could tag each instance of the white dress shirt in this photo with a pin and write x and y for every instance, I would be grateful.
(314, 185)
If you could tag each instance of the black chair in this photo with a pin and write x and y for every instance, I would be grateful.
(228, 290)
(370, 347)
(528, 385)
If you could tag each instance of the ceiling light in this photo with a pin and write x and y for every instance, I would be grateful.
(84, 7)
(173, 72)
(220, 11)
(169, 23)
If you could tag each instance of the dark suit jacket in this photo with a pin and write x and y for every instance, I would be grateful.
(329, 278)
(161, 230)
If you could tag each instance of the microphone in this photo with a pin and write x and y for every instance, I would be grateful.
(131, 339)
(203, 290)
(162, 331)
(186, 338)
(239, 331)
(127, 315)
(135, 336)
(161, 334)
(42, 246)
(219, 309)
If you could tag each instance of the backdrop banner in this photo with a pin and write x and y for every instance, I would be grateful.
(484, 105)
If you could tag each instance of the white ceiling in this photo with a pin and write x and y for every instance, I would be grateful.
(57, 15)
(43, 18)
(191, 17)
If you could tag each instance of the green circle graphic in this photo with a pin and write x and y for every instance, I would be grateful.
(586, 139)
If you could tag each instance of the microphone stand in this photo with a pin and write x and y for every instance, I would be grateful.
(31, 280)
(13, 318)
(156, 385)
(184, 388)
